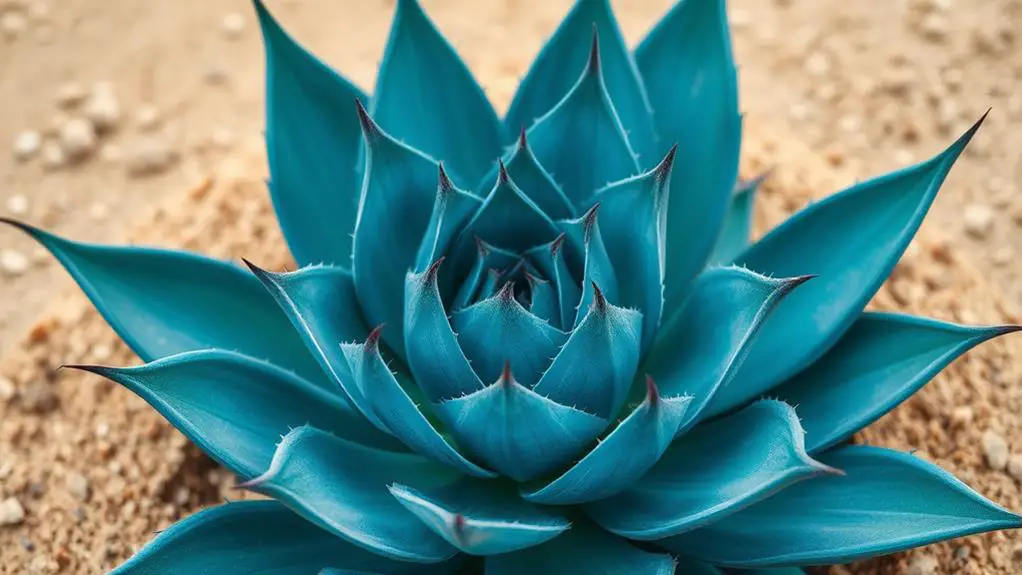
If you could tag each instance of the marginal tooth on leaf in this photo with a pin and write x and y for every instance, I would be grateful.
(444, 184)
(593, 65)
(663, 170)
(370, 129)
(433, 270)
(502, 175)
(373, 339)
(599, 301)
(555, 246)
(652, 392)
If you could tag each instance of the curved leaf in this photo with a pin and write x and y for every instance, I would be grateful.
(595, 368)
(436, 360)
(342, 487)
(583, 549)
(499, 329)
(620, 458)
(543, 304)
(517, 432)
(235, 408)
(396, 409)
(852, 240)
(313, 144)
(482, 518)
(702, 344)
(888, 502)
(714, 470)
(426, 96)
(488, 258)
(581, 141)
(393, 216)
(597, 269)
(546, 83)
(451, 210)
(734, 238)
(882, 360)
(536, 182)
(689, 72)
(635, 240)
(550, 259)
(258, 537)
(164, 302)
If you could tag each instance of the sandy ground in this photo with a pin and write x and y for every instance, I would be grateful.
(868, 86)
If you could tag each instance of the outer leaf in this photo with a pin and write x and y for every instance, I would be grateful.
(164, 302)
(550, 259)
(716, 469)
(689, 72)
(882, 360)
(434, 356)
(396, 409)
(342, 487)
(595, 368)
(622, 457)
(581, 141)
(499, 329)
(313, 143)
(888, 502)
(852, 240)
(517, 432)
(235, 408)
(546, 83)
(259, 537)
(393, 216)
(702, 344)
(635, 243)
(450, 118)
(583, 549)
(482, 518)
(734, 238)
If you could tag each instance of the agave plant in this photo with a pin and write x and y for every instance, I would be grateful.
(541, 344)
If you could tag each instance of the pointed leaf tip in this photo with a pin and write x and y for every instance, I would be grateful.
(507, 292)
(506, 377)
(593, 65)
(599, 301)
(555, 246)
(373, 339)
(523, 140)
(652, 393)
(502, 175)
(370, 129)
(589, 220)
(663, 170)
(433, 269)
(444, 184)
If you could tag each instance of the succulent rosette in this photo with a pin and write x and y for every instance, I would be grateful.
(543, 343)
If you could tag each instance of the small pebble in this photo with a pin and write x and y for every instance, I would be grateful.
(147, 117)
(78, 138)
(70, 94)
(1002, 256)
(6, 392)
(53, 155)
(150, 156)
(103, 107)
(39, 10)
(222, 138)
(233, 25)
(1015, 466)
(17, 205)
(78, 486)
(12, 24)
(979, 219)
(13, 262)
(922, 565)
(111, 153)
(996, 450)
(11, 512)
(26, 145)
(99, 211)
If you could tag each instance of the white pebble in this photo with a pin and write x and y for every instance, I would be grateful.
(222, 138)
(12, 24)
(78, 138)
(53, 155)
(996, 450)
(78, 486)
(922, 565)
(147, 117)
(26, 145)
(103, 107)
(233, 25)
(70, 94)
(6, 392)
(149, 156)
(11, 512)
(1015, 466)
(17, 205)
(818, 64)
(979, 218)
(13, 262)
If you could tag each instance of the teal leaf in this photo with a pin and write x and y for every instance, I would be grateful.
(164, 302)
(686, 566)
(342, 487)
(734, 238)
(235, 408)
(621, 458)
(551, 261)
(689, 72)
(581, 141)
(852, 240)
(258, 537)
(499, 329)
(516, 431)
(451, 209)
(712, 471)
(392, 405)
(313, 145)
(482, 518)
(595, 368)
(536, 182)
(426, 96)
(393, 216)
(584, 236)
(635, 243)
(488, 258)
(322, 305)
(436, 360)
(582, 549)
(543, 304)
(882, 360)
(888, 502)
(546, 82)
(702, 344)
